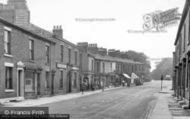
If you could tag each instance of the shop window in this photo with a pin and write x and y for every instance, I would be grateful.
(29, 81)
(47, 80)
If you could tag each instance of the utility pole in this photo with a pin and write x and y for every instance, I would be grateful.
(162, 77)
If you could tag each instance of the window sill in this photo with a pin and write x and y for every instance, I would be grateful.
(8, 55)
(9, 90)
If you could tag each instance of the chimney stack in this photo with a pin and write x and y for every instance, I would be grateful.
(102, 51)
(58, 31)
(83, 46)
(93, 48)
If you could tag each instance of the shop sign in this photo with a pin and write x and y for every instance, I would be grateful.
(61, 66)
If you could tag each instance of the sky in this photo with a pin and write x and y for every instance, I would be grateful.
(117, 18)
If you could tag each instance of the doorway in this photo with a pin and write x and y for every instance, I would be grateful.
(20, 83)
(38, 84)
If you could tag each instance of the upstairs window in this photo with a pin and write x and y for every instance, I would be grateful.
(62, 53)
(76, 57)
(92, 65)
(31, 48)
(103, 67)
(69, 54)
(7, 41)
(47, 50)
(184, 39)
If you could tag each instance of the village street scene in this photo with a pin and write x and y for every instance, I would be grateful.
(95, 59)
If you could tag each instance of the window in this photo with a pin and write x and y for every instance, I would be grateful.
(80, 60)
(189, 34)
(103, 65)
(7, 42)
(61, 80)
(47, 48)
(29, 81)
(111, 66)
(47, 80)
(31, 48)
(76, 57)
(97, 67)
(75, 80)
(8, 77)
(62, 53)
(92, 65)
(184, 38)
(135, 67)
(132, 68)
(69, 53)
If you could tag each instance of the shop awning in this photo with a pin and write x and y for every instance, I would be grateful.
(127, 76)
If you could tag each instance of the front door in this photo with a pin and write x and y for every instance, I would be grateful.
(20, 82)
(38, 84)
(52, 84)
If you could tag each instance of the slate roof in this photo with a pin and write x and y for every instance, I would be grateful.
(112, 59)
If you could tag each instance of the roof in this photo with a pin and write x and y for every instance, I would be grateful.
(25, 30)
(184, 14)
(47, 34)
(113, 59)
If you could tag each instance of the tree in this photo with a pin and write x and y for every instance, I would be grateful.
(163, 68)
(142, 58)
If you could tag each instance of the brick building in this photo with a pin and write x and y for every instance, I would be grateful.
(43, 62)
(25, 58)
(181, 56)
(109, 68)
(87, 62)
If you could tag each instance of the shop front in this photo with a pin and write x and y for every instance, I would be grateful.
(32, 80)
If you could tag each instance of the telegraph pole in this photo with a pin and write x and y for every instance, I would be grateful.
(162, 77)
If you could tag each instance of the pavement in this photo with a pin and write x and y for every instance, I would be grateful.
(20, 102)
(163, 108)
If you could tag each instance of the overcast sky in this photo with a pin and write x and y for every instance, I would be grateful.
(118, 16)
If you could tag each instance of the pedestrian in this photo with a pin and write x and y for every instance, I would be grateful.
(82, 89)
(123, 83)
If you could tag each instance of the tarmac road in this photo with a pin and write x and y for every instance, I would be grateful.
(123, 103)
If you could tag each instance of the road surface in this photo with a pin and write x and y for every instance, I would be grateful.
(123, 103)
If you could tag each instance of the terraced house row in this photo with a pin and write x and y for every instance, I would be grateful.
(35, 62)
(181, 56)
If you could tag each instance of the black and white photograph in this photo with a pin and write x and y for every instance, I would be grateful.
(94, 59)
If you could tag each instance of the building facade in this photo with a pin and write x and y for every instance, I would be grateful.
(25, 57)
(181, 56)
